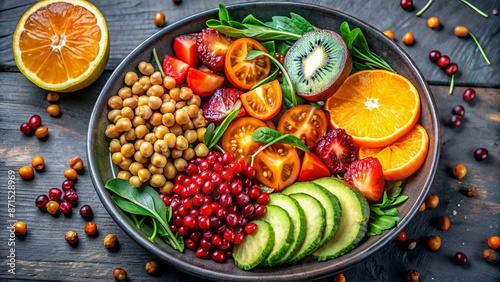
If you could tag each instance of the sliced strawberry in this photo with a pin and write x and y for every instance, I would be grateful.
(203, 83)
(221, 103)
(175, 68)
(186, 49)
(336, 150)
(366, 175)
(212, 48)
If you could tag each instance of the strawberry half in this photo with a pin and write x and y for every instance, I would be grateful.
(203, 83)
(175, 68)
(186, 49)
(221, 103)
(212, 48)
(336, 150)
(366, 175)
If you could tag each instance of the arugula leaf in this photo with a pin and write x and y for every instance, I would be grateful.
(147, 202)
(384, 215)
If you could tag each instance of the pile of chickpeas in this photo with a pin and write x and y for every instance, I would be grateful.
(156, 128)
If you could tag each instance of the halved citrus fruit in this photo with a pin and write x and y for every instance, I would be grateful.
(375, 107)
(61, 45)
(404, 157)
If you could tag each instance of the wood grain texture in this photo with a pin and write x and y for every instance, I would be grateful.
(43, 255)
(131, 22)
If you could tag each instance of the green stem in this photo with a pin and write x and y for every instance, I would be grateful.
(219, 148)
(480, 49)
(288, 80)
(474, 8)
(266, 146)
(452, 83)
(155, 55)
(153, 235)
(424, 8)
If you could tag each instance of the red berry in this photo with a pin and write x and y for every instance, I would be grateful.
(41, 201)
(406, 4)
(68, 184)
(71, 196)
(443, 61)
(401, 236)
(35, 121)
(55, 194)
(219, 256)
(455, 121)
(66, 208)
(202, 253)
(26, 129)
(451, 69)
(458, 110)
(481, 154)
(263, 199)
(260, 211)
(250, 228)
(469, 94)
(86, 212)
(434, 55)
(460, 258)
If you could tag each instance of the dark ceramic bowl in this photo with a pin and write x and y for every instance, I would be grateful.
(416, 187)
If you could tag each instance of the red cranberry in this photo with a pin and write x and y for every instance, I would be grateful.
(443, 61)
(71, 196)
(469, 94)
(26, 129)
(55, 194)
(434, 55)
(458, 110)
(41, 201)
(86, 212)
(66, 208)
(189, 221)
(406, 4)
(481, 154)
(451, 69)
(35, 121)
(401, 236)
(460, 258)
(455, 121)
(68, 184)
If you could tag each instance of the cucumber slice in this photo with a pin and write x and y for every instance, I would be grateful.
(354, 221)
(333, 211)
(254, 248)
(315, 224)
(283, 233)
(296, 213)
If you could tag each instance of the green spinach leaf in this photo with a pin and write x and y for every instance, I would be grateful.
(384, 215)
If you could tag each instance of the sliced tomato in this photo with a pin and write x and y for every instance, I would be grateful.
(238, 137)
(304, 121)
(185, 49)
(312, 168)
(264, 102)
(244, 74)
(277, 166)
(175, 68)
(203, 83)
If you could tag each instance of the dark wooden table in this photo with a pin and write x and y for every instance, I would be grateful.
(44, 255)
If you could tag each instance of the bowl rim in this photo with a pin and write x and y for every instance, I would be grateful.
(326, 269)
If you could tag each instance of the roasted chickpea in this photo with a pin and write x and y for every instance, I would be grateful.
(111, 131)
(114, 114)
(389, 34)
(434, 242)
(76, 163)
(151, 267)
(130, 102)
(168, 119)
(123, 124)
(154, 102)
(156, 91)
(165, 98)
(192, 110)
(52, 97)
(144, 174)
(52, 207)
(185, 93)
(169, 82)
(71, 237)
(135, 181)
(142, 100)
(70, 173)
(41, 132)
(180, 164)
(150, 137)
(130, 78)
(111, 241)
(195, 100)
(127, 150)
(174, 94)
(176, 129)
(137, 88)
(125, 164)
(158, 160)
(156, 78)
(114, 145)
(141, 131)
(145, 82)
(115, 102)
(170, 139)
(167, 107)
(166, 189)
(199, 121)
(127, 112)
(200, 132)
(180, 104)
(157, 180)
(143, 111)
(156, 119)
(53, 110)
(20, 228)
(169, 171)
(146, 68)
(201, 150)
(175, 154)
(432, 201)
(134, 167)
(125, 92)
(26, 172)
(188, 126)
(181, 143)
(191, 136)
(117, 158)
(459, 171)
(120, 274)
(160, 146)
(124, 174)
(154, 169)
(129, 135)
(137, 120)
(38, 163)
(188, 154)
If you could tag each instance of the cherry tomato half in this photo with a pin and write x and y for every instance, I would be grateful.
(264, 102)
(244, 74)
(277, 166)
(312, 168)
(238, 137)
(306, 122)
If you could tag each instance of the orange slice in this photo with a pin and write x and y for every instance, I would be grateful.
(404, 157)
(375, 107)
(61, 45)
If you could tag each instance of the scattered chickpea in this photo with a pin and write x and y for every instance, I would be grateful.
(459, 171)
(489, 255)
(38, 163)
(432, 201)
(90, 228)
(412, 276)
(159, 19)
(76, 163)
(110, 241)
(120, 274)
(151, 267)
(71, 174)
(52, 97)
(71, 237)
(434, 242)
(20, 228)
(339, 278)
(146, 68)
(389, 33)
(130, 78)
(433, 22)
(26, 172)
(41, 132)
(444, 223)
(53, 110)
(408, 38)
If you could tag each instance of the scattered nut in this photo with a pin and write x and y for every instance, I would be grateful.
(339, 278)
(444, 223)
(76, 163)
(90, 228)
(71, 174)
(489, 255)
(38, 163)
(52, 97)
(422, 207)
(159, 19)
(472, 192)
(110, 241)
(432, 201)
(412, 276)
(151, 267)
(71, 237)
(434, 242)
(459, 171)
(120, 274)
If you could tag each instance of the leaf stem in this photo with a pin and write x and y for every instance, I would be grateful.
(153, 235)
(155, 55)
(452, 83)
(480, 48)
(475, 8)
(424, 8)
(266, 146)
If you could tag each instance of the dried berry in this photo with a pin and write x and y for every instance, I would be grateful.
(460, 258)
(401, 237)
(481, 154)
(494, 242)
(412, 276)
(76, 163)
(434, 242)
(339, 278)
(459, 171)
(86, 212)
(432, 201)
(472, 192)
(71, 237)
(120, 274)
(38, 163)
(90, 228)
(151, 267)
(408, 38)
(159, 19)
(110, 241)
(489, 255)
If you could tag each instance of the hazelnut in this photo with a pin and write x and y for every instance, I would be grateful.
(434, 242)
(120, 274)
(432, 201)
(76, 163)
(71, 237)
(110, 241)
(444, 223)
(151, 267)
(412, 276)
(489, 255)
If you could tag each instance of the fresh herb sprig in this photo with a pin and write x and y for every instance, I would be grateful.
(270, 136)
(145, 201)
(213, 134)
(363, 57)
(385, 215)
(280, 28)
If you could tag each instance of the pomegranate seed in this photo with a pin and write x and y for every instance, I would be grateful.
(238, 238)
(232, 219)
(250, 228)
(221, 213)
(434, 55)
(455, 121)
(183, 231)
(263, 199)
(205, 244)
(235, 167)
(451, 69)
(260, 211)
(201, 253)
(226, 200)
(248, 210)
(35, 121)
(225, 245)
(229, 235)
(189, 221)
(481, 154)
(26, 129)
(191, 169)
(226, 176)
(190, 244)
(204, 222)
(216, 240)
(254, 192)
(219, 256)
(458, 110)
(227, 158)
(236, 187)
(242, 199)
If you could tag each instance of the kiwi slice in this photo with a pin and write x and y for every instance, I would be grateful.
(318, 63)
